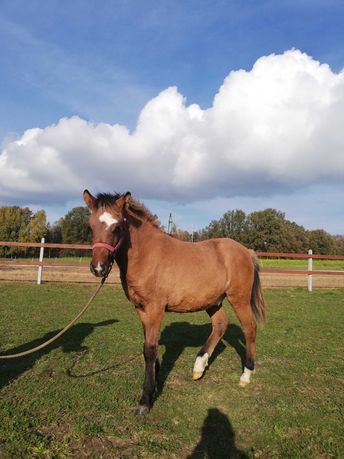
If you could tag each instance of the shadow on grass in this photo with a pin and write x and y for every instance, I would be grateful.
(217, 439)
(179, 335)
(71, 341)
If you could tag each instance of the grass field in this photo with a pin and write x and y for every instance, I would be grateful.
(77, 398)
(295, 263)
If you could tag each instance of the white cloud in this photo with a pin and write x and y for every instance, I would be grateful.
(277, 127)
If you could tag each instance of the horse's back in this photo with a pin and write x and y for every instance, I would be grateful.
(210, 254)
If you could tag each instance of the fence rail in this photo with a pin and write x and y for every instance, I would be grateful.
(81, 264)
(47, 245)
(50, 264)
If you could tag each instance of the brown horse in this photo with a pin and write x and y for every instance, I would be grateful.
(160, 273)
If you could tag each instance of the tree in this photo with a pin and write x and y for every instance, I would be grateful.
(213, 230)
(35, 229)
(339, 240)
(265, 230)
(296, 238)
(74, 228)
(54, 233)
(234, 224)
(12, 219)
(269, 231)
(182, 235)
(20, 225)
(54, 236)
(322, 242)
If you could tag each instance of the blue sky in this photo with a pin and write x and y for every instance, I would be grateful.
(103, 62)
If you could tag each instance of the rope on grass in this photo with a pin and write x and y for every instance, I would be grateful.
(60, 333)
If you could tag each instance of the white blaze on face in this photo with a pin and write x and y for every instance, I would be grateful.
(108, 219)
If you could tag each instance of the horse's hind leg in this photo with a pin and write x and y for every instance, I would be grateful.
(219, 322)
(243, 311)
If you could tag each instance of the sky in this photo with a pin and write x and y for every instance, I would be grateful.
(196, 107)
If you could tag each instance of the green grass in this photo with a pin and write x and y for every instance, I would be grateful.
(284, 263)
(77, 398)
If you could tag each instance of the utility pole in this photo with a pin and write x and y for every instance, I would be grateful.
(170, 223)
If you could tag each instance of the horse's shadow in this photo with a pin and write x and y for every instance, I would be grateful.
(179, 335)
(217, 439)
(71, 341)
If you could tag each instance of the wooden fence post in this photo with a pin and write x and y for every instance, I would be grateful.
(310, 268)
(40, 268)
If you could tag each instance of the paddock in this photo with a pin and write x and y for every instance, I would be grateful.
(81, 275)
(76, 270)
(77, 397)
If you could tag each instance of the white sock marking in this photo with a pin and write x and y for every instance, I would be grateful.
(108, 219)
(201, 363)
(246, 376)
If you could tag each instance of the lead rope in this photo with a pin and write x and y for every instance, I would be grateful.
(60, 333)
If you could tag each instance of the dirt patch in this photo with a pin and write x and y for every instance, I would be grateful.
(66, 275)
(300, 280)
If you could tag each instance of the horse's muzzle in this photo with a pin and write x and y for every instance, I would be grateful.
(101, 269)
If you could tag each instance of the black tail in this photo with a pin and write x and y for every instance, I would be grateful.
(257, 299)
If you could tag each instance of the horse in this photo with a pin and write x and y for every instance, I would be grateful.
(160, 273)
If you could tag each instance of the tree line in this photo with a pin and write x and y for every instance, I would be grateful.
(267, 230)
(22, 225)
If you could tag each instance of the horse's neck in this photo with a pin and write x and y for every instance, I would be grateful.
(142, 237)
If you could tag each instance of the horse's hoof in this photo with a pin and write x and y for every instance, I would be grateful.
(245, 378)
(142, 410)
(197, 375)
(243, 383)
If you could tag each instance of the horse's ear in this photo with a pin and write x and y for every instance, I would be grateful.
(127, 198)
(124, 201)
(89, 199)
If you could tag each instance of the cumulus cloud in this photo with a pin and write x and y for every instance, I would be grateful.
(274, 128)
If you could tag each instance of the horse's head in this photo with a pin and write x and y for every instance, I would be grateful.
(107, 222)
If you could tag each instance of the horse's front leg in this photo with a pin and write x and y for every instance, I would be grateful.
(151, 318)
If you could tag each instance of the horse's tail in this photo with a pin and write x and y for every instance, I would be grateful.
(257, 298)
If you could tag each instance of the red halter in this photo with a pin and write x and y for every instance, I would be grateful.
(112, 248)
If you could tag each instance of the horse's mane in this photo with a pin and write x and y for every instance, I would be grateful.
(106, 199)
(136, 209)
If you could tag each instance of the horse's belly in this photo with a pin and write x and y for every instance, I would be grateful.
(193, 304)
(195, 289)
